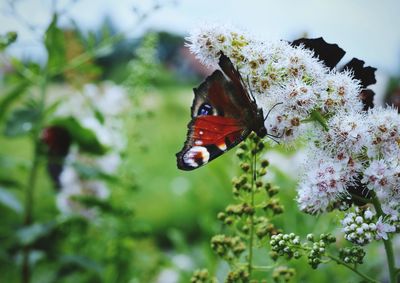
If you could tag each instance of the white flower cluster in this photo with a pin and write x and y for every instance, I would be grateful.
(73, 185)
(325, 181)
(361, 227)
(278, 72)
(109, 101)
(351, 151)
(98, 108)
(367, 145)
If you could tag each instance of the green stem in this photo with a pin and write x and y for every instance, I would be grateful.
(317, 116)
(264, 268)
(339, 261)
(364, 200)
(251, 240)
(387, 243)
(30, 187)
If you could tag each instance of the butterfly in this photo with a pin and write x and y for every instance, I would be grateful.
(223, 114)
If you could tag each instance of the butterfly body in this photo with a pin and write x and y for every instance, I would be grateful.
(223, 115)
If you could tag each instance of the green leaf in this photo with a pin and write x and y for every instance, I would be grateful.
(104, 205)
(85, 138)
(30, 234)
(90, 172)
(7, 39)
(7, 199)
(55, 45)
(99, 116)
(10, 95)
(21, 122)
(71, 262)
(7, 181)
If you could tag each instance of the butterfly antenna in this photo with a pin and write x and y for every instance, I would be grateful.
(271, 110)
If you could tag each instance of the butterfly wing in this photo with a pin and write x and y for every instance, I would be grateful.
(222, 112)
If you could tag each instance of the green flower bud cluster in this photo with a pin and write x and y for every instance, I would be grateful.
(289, 245)
(263, 227)
(283, 272)
(354, 254)
(285, 245)
(227, 247)
(249, 217)
(201, 276)
(318, 248)
(239, 275)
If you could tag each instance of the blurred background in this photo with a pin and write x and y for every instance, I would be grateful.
(94, 104)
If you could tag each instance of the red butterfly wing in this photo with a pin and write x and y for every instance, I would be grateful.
(222, 116)
(208, 138)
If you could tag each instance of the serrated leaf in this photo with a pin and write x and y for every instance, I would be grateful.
(55, 45)
(7, 199)
(30, 234)
(21, 122)
(85, 138)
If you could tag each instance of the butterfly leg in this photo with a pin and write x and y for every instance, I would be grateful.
(272, 137)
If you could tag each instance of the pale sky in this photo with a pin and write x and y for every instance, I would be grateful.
(367, 29)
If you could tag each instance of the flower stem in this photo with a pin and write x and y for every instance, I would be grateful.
(339, 261)
(364, 200)
(387, 243)
(317, 116)
(251, 240)
(30, 187)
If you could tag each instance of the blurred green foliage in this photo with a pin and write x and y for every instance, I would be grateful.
(157, 218)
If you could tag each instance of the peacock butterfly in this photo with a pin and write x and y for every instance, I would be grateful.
(223, 114)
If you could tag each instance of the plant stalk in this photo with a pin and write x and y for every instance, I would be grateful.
(26, 271)
(388, 244)
(251, 240)
(339, 261)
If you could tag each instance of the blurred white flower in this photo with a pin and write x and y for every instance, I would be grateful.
(71, 186)
(98, 108)
(109, 162)
(108, 98)
(183, 262)
(168, 275)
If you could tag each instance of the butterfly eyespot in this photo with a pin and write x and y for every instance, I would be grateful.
(204, 109)
(201, 132)
(196, 156)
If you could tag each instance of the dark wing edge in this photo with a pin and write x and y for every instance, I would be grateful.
(328, 53)
(331, 54)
